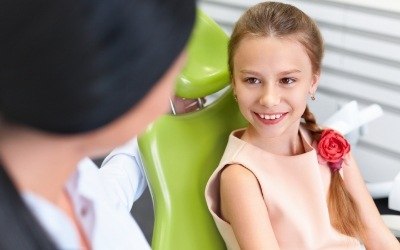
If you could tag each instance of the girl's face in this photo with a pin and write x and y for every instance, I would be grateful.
(272, 79)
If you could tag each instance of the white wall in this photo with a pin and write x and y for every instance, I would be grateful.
(389, 5)
(362, 62)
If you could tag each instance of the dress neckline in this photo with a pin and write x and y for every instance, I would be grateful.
(304, 136)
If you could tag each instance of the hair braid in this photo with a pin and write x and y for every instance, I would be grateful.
(343, 211)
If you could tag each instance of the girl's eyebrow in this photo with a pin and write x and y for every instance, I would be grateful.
(283, 73)
(288, 72)
(245, 71)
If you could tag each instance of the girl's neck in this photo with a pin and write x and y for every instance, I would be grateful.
(289, 143)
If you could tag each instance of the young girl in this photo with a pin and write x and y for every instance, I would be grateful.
(283, 182)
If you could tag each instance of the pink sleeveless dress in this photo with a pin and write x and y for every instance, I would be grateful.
(295, 192)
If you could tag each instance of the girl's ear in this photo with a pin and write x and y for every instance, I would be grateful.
(314, 83)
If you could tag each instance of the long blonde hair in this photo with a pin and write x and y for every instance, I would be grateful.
(273, 19)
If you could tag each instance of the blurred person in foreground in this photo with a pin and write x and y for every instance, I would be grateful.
(78, 79)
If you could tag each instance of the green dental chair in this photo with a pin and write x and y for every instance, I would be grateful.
(180, 152)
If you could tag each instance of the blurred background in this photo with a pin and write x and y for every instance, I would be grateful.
(362, 63)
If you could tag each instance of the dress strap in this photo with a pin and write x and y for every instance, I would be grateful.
(306, 138)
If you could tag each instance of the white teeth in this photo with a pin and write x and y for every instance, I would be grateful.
(270, 117)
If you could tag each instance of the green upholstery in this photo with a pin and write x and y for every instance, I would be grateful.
(180, 152)
(206, 71)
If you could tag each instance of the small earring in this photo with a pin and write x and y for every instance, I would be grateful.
(313, 97)
(234, 96)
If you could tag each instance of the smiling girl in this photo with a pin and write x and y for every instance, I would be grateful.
(283, 182)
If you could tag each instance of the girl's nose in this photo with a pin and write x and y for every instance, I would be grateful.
(270, 96)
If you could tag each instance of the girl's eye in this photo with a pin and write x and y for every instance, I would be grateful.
(252, 80)
(287, 80)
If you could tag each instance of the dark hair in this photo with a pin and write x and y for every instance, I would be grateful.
(272, 19)
(73, 66)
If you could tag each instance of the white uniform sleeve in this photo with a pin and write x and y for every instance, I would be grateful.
(122, 172)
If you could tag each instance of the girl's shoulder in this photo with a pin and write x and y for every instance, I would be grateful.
(237, 174)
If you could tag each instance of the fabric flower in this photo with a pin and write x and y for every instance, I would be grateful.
(332, 147)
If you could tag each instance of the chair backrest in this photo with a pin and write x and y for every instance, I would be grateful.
(180, 152)
(206, 70)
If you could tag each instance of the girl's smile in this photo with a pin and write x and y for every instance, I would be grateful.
(270, 119)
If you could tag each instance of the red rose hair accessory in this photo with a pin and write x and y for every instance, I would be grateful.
(332, 147)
